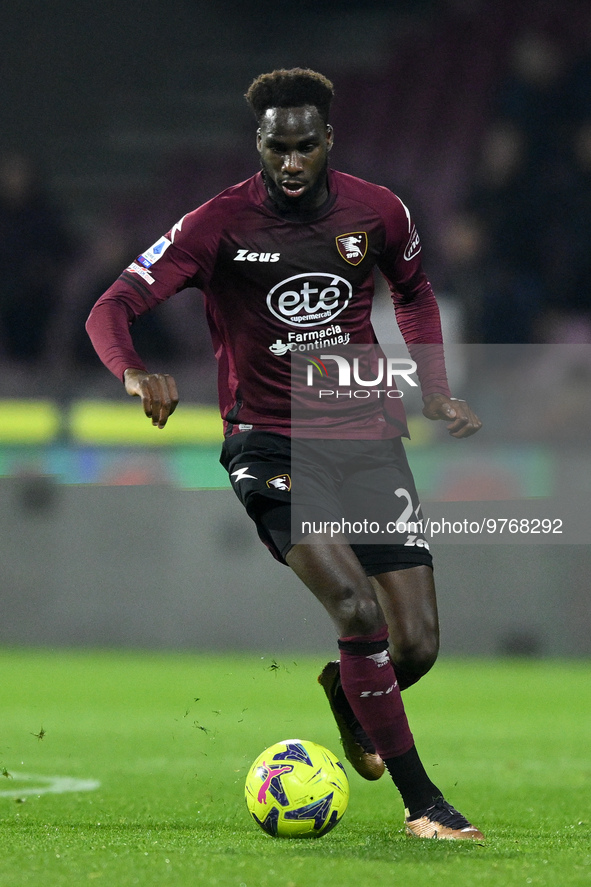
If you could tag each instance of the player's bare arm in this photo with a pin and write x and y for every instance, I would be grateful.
(158, 392)
(462, 422)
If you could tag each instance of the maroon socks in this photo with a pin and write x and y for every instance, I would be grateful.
(371, 688)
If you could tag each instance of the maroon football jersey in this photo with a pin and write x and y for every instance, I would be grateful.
(275, 285)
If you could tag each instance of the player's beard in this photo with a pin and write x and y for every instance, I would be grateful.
(306, 203)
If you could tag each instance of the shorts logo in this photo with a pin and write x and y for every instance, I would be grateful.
(240, 474)
(311, 299)
(352, 247)
(280, 482)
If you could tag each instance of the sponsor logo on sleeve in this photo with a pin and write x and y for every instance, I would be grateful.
(352, 247)
(137, 269)
(413, 246)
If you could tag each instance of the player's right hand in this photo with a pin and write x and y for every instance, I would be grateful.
(158, 392)
(462, 421)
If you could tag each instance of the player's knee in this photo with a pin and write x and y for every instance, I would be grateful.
(416, 657)
(359, 615)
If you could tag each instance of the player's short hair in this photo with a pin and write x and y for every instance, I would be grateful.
(290, 88)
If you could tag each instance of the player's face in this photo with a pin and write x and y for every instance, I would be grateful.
(294, 145)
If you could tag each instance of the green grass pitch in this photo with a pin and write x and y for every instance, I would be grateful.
(170, 737)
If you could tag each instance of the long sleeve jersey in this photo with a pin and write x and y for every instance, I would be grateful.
(276, 285)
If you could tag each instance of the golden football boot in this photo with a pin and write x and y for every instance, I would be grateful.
(357, 746)
(443, 822)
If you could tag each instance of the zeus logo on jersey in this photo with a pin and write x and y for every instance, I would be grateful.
(309, 299)
(244, 255)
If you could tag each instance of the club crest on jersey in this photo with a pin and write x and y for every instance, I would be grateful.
(280, 482)
(352, 247)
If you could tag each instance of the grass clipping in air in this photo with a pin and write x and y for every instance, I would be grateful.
(154, 750)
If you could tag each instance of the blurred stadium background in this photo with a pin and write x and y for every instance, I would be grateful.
(117, 118)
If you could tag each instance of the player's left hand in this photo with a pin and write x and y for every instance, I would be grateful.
(462, 422)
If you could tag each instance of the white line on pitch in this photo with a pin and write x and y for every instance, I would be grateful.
(51, 785)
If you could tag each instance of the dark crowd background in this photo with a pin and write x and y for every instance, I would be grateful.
(116, 119)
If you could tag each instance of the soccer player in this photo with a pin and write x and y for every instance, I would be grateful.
(294, 248)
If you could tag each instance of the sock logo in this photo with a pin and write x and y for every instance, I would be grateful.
(367, 693)
(380, 659)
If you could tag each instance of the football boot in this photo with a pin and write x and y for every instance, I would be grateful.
(443, 822)
(357, 746)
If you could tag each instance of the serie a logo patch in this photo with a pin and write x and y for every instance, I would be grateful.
(352, 247)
